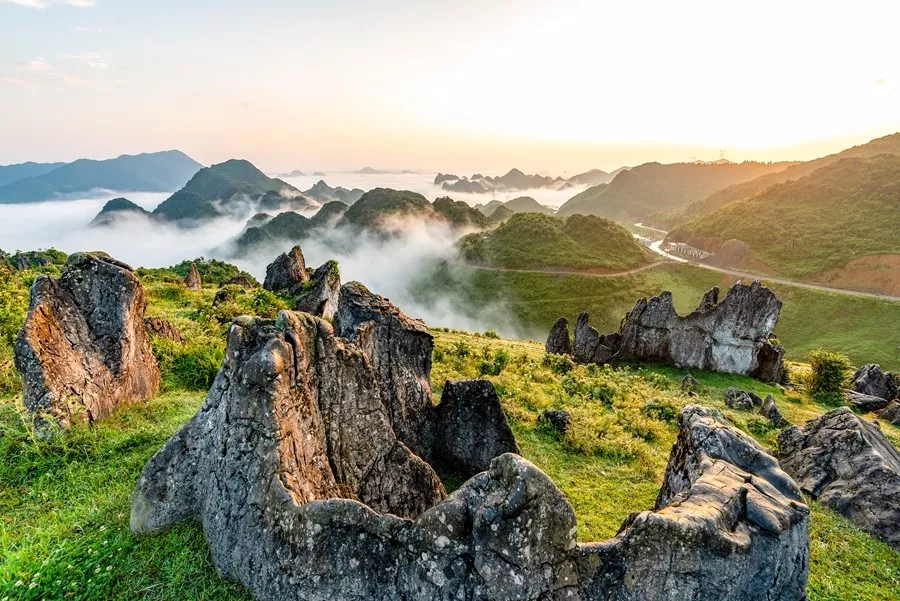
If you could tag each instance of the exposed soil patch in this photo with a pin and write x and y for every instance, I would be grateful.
(872, 273)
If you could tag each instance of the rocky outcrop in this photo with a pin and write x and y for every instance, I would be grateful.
(470, 428)
(559, 342)
(872, 381)
(848, 464)
(400, 349)
(729, 524)
(891, 413)
(241, 280)
(731, 336)
(192, 280)
(84, 350)
(557, 419)
(286, 271)
(735, 398)
(319, 295)
(770, 411)
(865, 403)
(163, 328)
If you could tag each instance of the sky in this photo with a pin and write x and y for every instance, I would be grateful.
(551, 87)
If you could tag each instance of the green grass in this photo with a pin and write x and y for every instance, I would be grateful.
(865, 329)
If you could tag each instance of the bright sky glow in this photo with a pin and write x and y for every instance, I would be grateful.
(469, 85)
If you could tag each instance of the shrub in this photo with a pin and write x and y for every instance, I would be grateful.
(492, 334)
(664, 411)
(461, 349)
(494, 366)
(558, 364)
(829, 372)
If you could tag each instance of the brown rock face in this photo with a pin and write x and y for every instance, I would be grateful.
(731, 336)
(163, 328)
(256, 474)
(319, 295)
(192, 280)
(286, 271)
(559, 342)
(84, 350)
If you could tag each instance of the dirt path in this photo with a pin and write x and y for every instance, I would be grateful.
(564, 271)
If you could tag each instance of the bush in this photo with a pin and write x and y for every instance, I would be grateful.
(558, 364)
(492, 334)
(829, 372)
(494, 366)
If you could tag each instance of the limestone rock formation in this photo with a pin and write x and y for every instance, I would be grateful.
(192, 280)
(558, 419)
(848, 464)
(286, 271)
(84, 350)
(163, 328)
(891, 413)
(241, 280)
(558, 342)
(400, 349)
(471, 428)
(871, 380)
(319, 295)
(731, 336)
(729, 524)
(865, 402)
(770, 410)
(735, 398)
(223, 295)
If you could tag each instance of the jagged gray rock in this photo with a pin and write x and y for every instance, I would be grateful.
(865, 402)
(84, 349)
(286, 271)
(400, 349)
(319, 295)
(770, 410)
(558, 419)
(558, 342)
(872, 381)
(163, 328)
(891, 413)
(848, 464)
(731, 336)
(192, 279)
(743, 400)
(470, 427)
(729, 523)
(223, 295)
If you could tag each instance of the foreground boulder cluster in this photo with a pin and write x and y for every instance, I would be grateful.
(732, 336)
(311, 465)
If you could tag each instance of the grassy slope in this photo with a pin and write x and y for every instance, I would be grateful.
(534, 240)
(863, 328)
(64, 524)
(840, 212)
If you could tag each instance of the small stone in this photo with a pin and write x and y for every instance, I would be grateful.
(690, 384)
(742, 400)
(557, 419)
(770, 410)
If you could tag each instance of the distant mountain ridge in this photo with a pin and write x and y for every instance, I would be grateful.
(651, 188)
(11, 173)
(323, 193)
(522, 204)
(147, 172)
(515, 179)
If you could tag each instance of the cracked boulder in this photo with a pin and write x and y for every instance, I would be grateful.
(559, 342)
(770, 411)
(891, 413)
(319, 294)
(731, 336)
(870, 380)
(848, 464)
(470, 427)
(84, 350)
(865, 402)
(286, 271)
(743, 400)
(399, 348)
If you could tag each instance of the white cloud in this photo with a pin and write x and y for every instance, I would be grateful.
(42, 4)
(28, 3)
(81, 3)
(17, 82)
(88, 59)
(34, 65)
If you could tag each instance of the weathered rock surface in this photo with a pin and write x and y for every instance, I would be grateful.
(319, 295)
(471, 428)
(84, 349)
(731, 336)
(770, 410)
(865, 402)
(743, 400)
(848, 464)
(286, 271)
(690, 384)
(872, 381)
(729, 523)
(558, 419)
(559, 342)
(192, 279)
(400, 349)
(241, 280)
(163, 328)
(891, 413)
(223, 295)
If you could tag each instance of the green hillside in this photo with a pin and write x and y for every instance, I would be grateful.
(115, 207)
(460, 214)
(285, 228)
(801, 227)
(641, 191)
(534, 240)
(376, 206)
(885, 145)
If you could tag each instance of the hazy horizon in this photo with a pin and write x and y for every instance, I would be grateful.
(476, 86)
